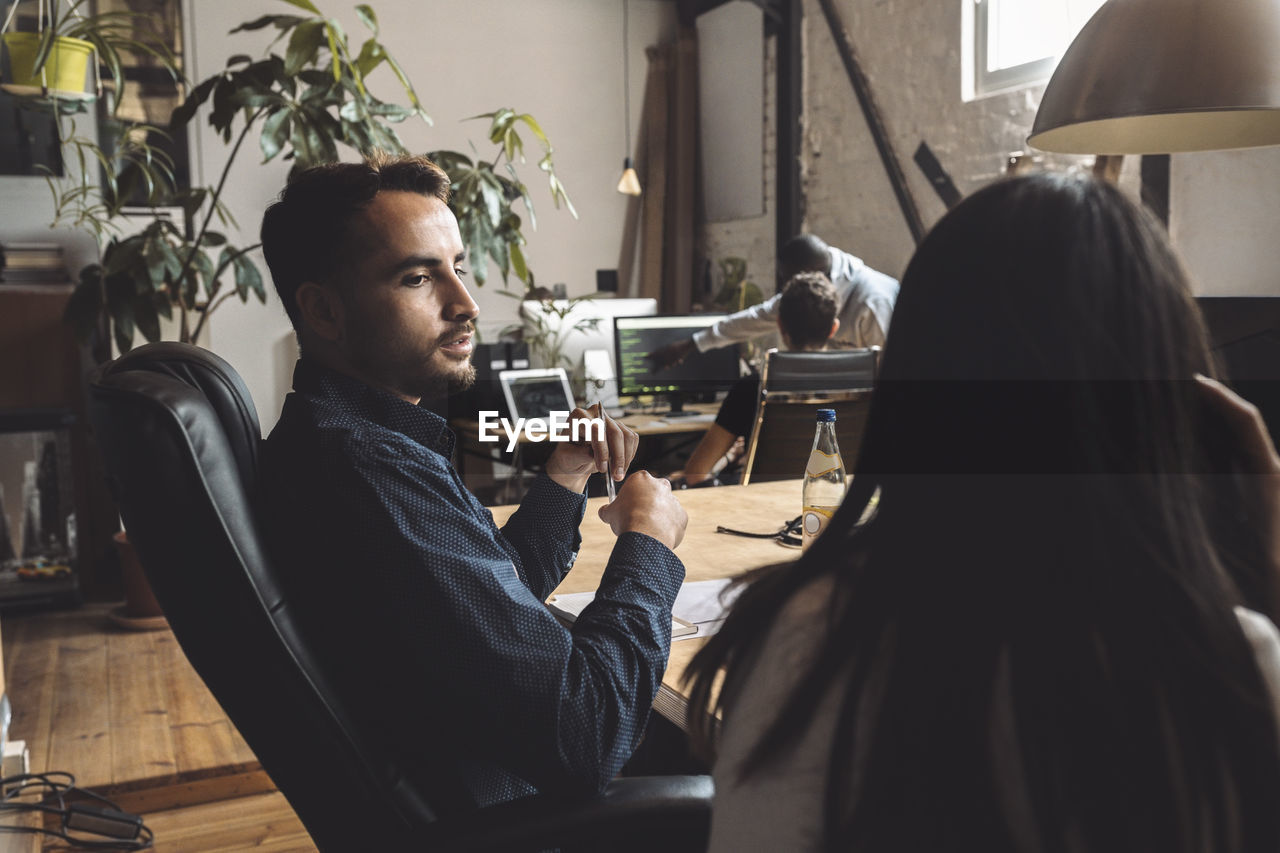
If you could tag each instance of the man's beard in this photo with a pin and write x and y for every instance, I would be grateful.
(461, 381)
(413, 373)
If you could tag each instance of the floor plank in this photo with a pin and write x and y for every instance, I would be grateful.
(263, 822)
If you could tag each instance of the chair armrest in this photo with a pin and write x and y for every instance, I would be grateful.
(668, 813)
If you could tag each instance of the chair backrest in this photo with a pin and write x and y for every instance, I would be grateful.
(180, 440)
(793, 386)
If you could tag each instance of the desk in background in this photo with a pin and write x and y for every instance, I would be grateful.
(707, 555)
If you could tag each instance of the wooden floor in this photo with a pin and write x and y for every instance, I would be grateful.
(125, 713)
(263, 822)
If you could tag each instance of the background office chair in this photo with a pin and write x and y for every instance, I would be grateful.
(793, 386)
(180, 438)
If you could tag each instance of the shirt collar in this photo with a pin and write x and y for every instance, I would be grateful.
(354, 397)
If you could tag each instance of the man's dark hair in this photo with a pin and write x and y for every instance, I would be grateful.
(807, 309)
(304, 233)
(803, 253)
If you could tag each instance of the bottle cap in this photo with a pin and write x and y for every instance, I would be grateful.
(826, 416)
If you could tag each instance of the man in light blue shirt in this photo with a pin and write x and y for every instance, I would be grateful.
(866, 302)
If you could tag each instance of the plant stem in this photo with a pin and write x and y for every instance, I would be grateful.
(208, 217)
(209, 308)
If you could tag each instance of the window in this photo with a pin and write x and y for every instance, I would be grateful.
(1017, 43)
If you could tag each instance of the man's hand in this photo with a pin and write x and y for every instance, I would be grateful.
(646, 505)
(669, 355)
(573, 462)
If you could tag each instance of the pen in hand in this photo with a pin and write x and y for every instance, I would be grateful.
(608, 475)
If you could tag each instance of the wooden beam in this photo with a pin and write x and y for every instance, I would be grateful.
(1155, 184)
(789, 203)
(870, 112)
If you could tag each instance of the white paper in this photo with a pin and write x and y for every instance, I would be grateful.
(698, 603)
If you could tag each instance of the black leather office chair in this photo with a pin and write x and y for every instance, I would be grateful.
(793, 386)
(180, 438)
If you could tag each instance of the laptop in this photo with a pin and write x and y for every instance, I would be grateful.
(536, 392)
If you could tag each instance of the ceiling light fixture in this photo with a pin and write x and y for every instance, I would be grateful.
(630, 183)
(1164, 76)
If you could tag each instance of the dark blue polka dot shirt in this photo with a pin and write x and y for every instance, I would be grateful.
(434, 619)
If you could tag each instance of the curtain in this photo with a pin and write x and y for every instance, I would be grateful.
(659, 249)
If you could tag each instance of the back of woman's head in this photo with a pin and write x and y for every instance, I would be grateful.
(1035, 610)
(1047, 276)
(1044, 326)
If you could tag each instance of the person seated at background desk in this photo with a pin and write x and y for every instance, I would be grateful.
(1039, 640)
(865, 296)
(400, 572)
(806, 322)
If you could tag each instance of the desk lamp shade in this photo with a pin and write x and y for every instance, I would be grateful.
(1162, 76)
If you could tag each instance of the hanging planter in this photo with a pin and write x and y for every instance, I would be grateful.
(62, 59)
(64, 73)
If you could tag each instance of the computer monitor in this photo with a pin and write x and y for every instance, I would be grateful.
(574, 333)
(700, 374)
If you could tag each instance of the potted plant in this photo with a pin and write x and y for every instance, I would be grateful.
(53, 61)
(303, 104)
(303, 100)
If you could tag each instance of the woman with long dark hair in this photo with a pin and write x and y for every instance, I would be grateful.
(1037, 639)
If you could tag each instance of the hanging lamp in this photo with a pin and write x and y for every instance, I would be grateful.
(1164, 76)
(629, 184)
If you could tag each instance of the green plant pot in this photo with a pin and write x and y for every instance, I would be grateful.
(64, 71)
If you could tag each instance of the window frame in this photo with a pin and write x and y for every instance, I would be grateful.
(986, 82)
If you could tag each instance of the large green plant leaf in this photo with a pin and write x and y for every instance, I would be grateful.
(146, 316)
(120, 301)
(85, 305)
(280, 22)
(275, 133)
(204, 270)
(304, 4)
(367, 17)
(248, 279)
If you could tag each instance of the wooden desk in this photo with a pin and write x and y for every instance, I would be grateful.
(707, 555)
(123, 711)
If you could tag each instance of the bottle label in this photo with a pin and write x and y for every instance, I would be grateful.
(822, 463)
(814, 521)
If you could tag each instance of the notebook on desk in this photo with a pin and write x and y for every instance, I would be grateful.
(699, 608)
(569, 605)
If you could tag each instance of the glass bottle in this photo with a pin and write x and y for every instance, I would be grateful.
(824, 479)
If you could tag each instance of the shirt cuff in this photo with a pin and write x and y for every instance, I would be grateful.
(654, 565)
(705, 339)
(553, 504)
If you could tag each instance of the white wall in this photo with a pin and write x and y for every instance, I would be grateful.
(731, 107)
(560, 60)
(1224, 220)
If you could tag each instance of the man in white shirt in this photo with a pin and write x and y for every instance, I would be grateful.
(866, 302)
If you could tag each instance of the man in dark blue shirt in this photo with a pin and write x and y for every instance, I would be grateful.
(435, 616)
